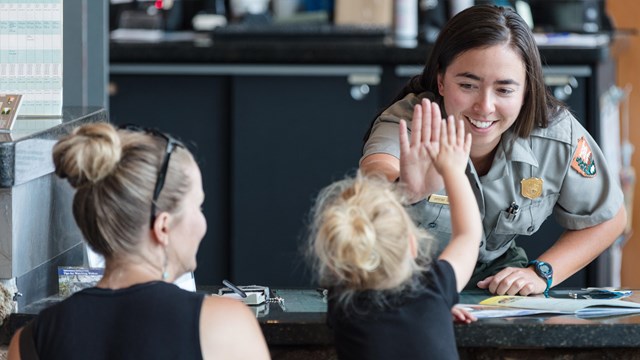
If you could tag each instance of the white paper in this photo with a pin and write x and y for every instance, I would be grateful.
(31, 54)
(527, 305)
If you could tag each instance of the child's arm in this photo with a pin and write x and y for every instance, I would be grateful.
(450, 158)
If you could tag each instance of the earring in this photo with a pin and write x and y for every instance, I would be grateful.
(165, 273)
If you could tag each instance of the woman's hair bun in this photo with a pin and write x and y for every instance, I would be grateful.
(89, 154)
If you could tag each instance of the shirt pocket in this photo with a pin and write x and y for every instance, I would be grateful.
(436, 219)
(526, 222)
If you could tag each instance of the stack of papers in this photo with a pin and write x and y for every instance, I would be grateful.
(508, 306)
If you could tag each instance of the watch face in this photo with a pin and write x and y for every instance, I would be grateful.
(544, 270)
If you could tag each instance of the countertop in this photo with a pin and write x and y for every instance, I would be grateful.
(300, 325)
(202, 48)
(25, 152)
(303, 322)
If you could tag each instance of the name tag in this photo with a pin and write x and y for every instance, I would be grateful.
(438, 199)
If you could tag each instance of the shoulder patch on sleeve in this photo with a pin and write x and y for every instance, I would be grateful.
(582, 160)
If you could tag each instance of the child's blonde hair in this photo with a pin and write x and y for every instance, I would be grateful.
(360, 237)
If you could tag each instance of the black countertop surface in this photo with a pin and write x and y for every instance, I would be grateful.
(304, 322)
(203, 48)
(301, 322)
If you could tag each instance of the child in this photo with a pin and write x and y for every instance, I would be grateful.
(387, 298)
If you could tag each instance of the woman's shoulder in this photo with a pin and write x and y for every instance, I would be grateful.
(403, 108)
(229, 329)
(563, 127)
(224, 307)
(224, 311)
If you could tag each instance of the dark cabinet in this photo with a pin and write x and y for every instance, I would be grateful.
(291, 136)
(195, 109)
(269, 137)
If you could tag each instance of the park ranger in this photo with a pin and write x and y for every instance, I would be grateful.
(530, 157)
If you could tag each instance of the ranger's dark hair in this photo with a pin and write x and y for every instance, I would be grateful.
(483, 26)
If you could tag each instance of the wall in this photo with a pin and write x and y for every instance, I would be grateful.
(86, 50)
(627, 51)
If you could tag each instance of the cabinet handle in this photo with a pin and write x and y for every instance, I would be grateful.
(562, 92)
(359, 92)
(360, 84)
(562, 86)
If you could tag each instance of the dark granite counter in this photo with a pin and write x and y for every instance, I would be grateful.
(298, 330)
(25, 152)
(203, 49)
(306, 309)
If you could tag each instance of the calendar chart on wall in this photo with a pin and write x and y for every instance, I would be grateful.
(31, 54)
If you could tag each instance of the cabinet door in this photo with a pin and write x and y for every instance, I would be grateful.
(291, 136)
(195, 110)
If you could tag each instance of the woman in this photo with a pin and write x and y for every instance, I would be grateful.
(530, 157)
(138, 204)
(387, 298)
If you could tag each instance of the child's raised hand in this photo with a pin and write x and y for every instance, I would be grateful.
(452, 151)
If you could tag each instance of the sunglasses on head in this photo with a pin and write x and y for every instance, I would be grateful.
(172, 143)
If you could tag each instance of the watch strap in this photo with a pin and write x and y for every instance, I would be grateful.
(548, 280)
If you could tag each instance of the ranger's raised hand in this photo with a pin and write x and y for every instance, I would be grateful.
(415, 161)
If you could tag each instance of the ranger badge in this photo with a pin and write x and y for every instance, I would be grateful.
(531, 188)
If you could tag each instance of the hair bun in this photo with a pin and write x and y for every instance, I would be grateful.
(362, 234)
(87, 155)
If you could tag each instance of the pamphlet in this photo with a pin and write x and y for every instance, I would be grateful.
(72, 279)
(493, 311)
(504, 306)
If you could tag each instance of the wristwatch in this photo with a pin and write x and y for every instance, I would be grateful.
(545, 271)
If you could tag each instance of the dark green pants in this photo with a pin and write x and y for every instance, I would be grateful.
(514, 257)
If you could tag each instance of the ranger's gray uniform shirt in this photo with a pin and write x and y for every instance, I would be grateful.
(577, 200)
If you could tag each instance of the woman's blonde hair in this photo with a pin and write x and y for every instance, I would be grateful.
(114, 173)
(360, 237)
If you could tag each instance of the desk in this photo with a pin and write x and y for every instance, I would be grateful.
(300, 331)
